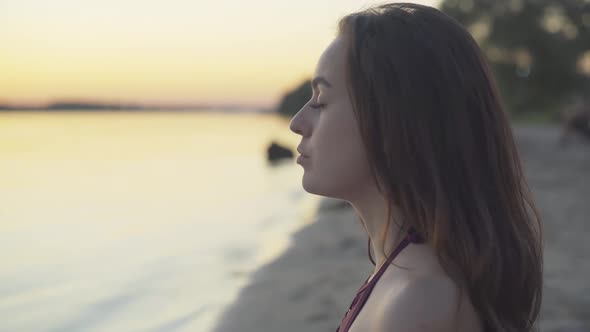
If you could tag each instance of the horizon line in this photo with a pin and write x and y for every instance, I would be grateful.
(104, 104)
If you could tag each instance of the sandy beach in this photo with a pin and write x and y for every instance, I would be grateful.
(311, 285)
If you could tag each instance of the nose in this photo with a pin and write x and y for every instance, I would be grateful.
(295, 125)
(295, 128)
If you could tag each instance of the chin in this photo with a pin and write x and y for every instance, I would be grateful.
(318, 188)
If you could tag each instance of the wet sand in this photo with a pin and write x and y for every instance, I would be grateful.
(311, 285)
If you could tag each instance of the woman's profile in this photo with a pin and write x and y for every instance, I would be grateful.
(406, 124)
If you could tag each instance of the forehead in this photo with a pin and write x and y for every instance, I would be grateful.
(332, 63)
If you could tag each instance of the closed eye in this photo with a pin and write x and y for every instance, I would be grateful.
(318, 106)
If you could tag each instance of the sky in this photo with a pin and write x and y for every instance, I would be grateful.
(163, 51)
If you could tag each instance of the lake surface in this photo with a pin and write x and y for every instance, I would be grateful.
(139, 221)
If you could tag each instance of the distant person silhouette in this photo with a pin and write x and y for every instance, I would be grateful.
(577, 120)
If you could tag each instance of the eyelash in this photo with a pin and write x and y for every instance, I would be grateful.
(318, 106)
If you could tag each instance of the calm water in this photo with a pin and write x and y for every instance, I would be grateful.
(138, 221)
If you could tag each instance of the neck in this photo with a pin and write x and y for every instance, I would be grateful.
(373, 214)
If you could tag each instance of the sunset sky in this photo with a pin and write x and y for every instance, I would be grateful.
(156, 51)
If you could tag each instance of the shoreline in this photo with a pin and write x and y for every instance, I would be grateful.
(311, 285)
(308, 287)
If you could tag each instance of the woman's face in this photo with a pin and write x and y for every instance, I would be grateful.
(336, 165)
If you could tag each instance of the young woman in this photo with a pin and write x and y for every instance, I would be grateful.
(406, 124)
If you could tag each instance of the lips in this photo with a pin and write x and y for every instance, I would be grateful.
(302, 153)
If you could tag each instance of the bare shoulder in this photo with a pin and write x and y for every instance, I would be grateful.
(425, 304)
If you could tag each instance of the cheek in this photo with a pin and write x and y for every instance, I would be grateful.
(340, 138)
(341, 157)
(336, 139)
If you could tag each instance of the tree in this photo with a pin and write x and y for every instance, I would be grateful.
(293, 100)
(539, 50)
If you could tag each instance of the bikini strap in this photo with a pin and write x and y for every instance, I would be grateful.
(411, 237)
(367, 288)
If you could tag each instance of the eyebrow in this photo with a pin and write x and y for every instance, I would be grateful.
(320, 80)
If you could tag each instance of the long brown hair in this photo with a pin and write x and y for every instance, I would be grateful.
(440, 143)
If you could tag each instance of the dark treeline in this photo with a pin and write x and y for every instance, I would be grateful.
(97, 106)
(539, 51)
